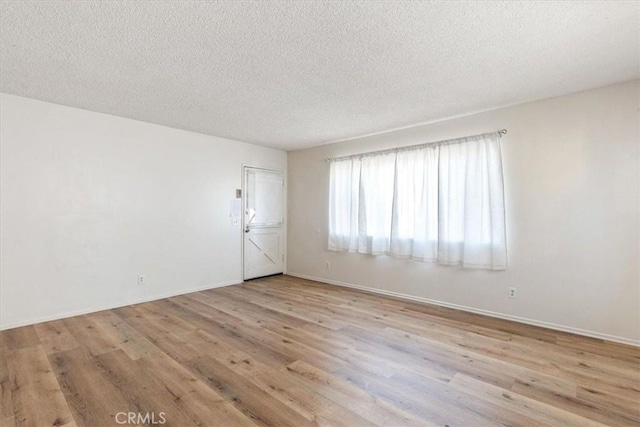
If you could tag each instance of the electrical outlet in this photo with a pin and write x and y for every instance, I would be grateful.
(142, 280)
(513, 293)
(327, 265)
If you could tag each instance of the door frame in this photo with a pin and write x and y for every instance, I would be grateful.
(243, 167)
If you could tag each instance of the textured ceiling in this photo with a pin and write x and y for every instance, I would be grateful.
(297, 74)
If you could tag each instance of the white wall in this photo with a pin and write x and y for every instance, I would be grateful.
(572, 188)
(90, 201)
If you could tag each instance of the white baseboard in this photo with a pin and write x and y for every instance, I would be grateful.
(577, 331)
(109, 307)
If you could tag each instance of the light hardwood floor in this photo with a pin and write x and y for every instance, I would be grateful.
(282, 351)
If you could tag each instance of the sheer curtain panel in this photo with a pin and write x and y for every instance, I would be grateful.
(439, 203)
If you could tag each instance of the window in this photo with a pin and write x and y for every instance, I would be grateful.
(438, 203)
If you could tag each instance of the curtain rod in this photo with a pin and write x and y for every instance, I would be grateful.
(418, 146)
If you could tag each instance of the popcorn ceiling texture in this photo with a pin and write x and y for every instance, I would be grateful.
(296, 74)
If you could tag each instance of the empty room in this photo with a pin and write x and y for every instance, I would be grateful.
(332, 213)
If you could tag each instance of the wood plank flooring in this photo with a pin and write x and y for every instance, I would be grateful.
(283, 351)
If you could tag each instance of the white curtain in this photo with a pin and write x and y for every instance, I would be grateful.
(441, 203)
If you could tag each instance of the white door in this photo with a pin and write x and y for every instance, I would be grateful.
(263, 222)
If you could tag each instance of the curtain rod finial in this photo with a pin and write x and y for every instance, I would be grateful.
(502, 131)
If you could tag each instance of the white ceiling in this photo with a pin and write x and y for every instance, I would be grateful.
(297, 74)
